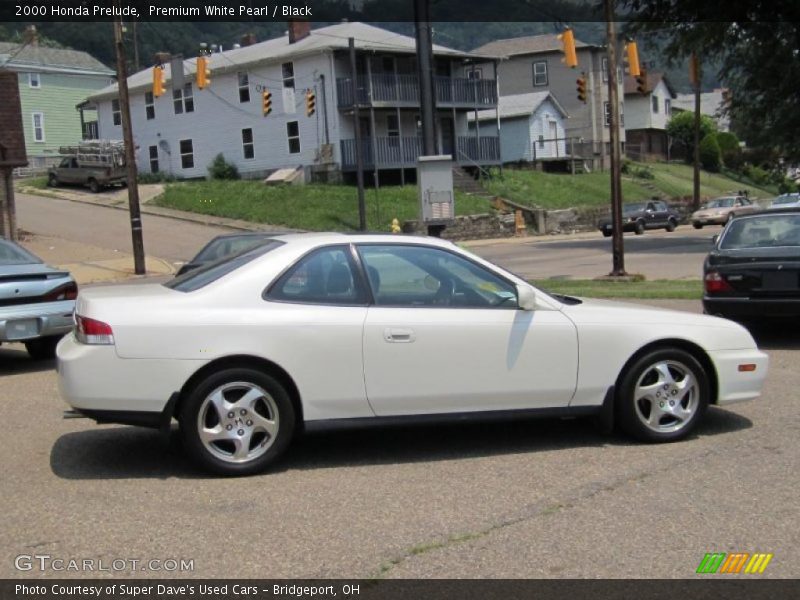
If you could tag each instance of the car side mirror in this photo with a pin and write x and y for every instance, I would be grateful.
(715, 238)
(526, 297)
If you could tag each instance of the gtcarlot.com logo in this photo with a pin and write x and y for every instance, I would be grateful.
(734, 563)
(46, 562)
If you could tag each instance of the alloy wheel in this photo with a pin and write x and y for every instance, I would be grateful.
(666, 396)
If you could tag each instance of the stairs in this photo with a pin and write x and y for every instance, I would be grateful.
(467, 184)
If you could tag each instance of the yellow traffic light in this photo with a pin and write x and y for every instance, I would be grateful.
(158, 81)
(633, 58)
(568, 42)
(641, 82)
(582, 93)
(203, 72)
(311, 103)
(266, 102)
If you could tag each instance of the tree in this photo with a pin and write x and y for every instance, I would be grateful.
(756, 46)
(710, 154)
(731, 152)
(681, 129)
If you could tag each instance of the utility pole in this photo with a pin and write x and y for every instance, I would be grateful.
(694, 72)
(617, 243)
(127, 134)
(362, 206)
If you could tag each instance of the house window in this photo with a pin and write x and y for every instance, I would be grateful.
(667, 106)
(248, 146)
(38, 126)
(392, 126)
(541, 141)
(149, 106)
(475, 73)
(539, 74)
(604, 68)
(116, 115)
(244, 87)
(153, 150)
(607, 112)
(187, 154)
(34, 81)
(183, 100)
(288, 75)
(655, 104)
(293, 135)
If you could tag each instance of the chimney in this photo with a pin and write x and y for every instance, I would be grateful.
(248, 39)
(298, 30)
(30, 36)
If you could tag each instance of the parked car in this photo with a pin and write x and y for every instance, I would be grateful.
(225, 245)
(36, 301)
(786, 201)
(638, 216)
(719, 210)
(753, 271)
(95, 177)
(324, 330)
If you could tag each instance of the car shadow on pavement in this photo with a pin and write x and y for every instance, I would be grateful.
(130, 452)
(776, 335)
(16, 361)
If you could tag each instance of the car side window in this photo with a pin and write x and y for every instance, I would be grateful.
(421, 276)
(325, 276)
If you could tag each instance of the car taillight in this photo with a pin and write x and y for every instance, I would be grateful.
(90, 331)
(715, 283)
(68, 291)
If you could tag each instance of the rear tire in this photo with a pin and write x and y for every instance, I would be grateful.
(43, 348)
(606, 233)
(671, 225)
(237, 421)
(94, 186)
(52, 181)
(639, 228)
(662, 396)
(697, 225)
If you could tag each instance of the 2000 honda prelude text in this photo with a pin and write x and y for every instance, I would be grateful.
(312, 330)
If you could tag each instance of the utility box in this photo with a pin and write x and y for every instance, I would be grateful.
(435, 186)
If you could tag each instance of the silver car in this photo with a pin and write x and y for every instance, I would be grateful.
(36, 301)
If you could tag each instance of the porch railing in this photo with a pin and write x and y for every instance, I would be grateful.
(403, 90)
(402, 152)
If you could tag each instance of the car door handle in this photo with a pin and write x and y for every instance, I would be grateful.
(399, 336)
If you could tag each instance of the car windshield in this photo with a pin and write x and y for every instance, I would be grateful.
(633, 207)
(721, 203)
(227, 245)
(202, 276)
(786, 200)
(763, 231)
(11, 254)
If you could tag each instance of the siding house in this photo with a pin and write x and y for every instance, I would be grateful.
(647, 116)
(532, 128)
(51, 81)
(534, 64)
(182, 131)
(712, 104)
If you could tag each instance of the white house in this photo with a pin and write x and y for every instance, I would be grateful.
(532, 127)
(182, 131)
(646, 117)
(712, 104)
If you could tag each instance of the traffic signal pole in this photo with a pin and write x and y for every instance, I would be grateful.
(130, 158)
(617, 244)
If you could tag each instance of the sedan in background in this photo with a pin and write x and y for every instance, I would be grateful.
(786, 201)
(308, 331)
(223, 246)
(638, 216)
(719, 210)
(753, 271)
(36, 301)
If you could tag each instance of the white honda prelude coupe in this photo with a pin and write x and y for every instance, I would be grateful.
(312, 330)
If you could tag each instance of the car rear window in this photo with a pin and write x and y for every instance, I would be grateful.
(764, 231)
(202, 276)
(11, 254)
(225, 246)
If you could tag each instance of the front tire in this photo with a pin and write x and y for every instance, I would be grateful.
(94, 186)
(671, 225)
(237, 421)
(606, 233)
(697, 225)
(43, 348)
(662, 396)
(639, 228)
(52, 181)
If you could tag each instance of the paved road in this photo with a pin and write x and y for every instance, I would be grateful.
(656, 254)
(529, 499)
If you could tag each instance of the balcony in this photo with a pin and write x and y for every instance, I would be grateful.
(402, 152)
(402, 91)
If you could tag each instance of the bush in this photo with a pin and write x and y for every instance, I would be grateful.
(155, 177)
(681, 129)
(710, 153)
(221, 169)
(757, 175)
(731, 151)
(787, 186)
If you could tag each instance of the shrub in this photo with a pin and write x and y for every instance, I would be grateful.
(710, 154)
(221, 169)
(681, 129)
(155, 177)
(731, 151)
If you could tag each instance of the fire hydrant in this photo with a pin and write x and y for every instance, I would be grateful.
(396, 226)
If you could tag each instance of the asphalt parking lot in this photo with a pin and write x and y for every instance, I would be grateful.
(522, 500)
